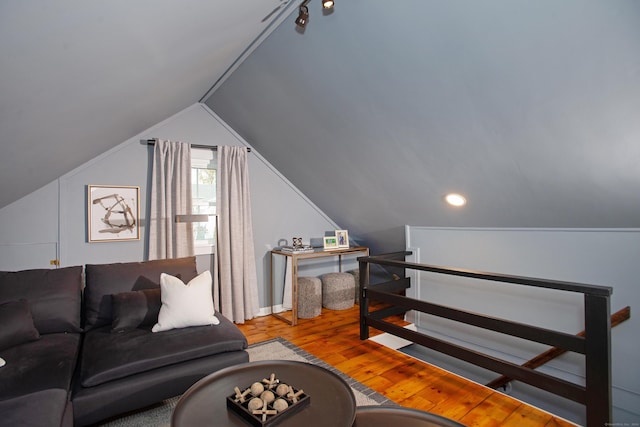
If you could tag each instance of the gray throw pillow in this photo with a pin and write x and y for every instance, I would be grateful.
(131, 310)
(16, 324)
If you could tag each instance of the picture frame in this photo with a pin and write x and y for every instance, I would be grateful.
(113, 213)
(343, 238)
(330, 242)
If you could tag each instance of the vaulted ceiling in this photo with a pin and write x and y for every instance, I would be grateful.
(79, 77)
(375, 111)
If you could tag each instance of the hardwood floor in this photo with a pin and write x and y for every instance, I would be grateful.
(334, 338)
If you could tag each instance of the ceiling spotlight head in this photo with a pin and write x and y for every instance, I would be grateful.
(303, 17)
(327, 4)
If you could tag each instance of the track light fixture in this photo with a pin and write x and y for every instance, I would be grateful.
(303, 15)
(327, 4)
(303, 11)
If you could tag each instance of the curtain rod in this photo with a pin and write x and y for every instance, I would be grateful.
(209, 147)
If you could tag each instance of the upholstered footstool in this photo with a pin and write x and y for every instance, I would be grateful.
(356, 277)
(338, 291)
(309, 297)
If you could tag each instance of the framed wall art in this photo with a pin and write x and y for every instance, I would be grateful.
(343, 238)
(113, 213)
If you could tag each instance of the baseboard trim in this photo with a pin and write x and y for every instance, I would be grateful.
(265, 311)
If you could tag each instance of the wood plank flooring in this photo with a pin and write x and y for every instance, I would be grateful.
(334, 338)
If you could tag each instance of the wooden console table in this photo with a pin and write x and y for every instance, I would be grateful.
(295, 258)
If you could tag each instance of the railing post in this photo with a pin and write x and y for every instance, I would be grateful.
(598, 360)
(364, 301)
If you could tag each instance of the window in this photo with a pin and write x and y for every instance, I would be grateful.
(203, 194)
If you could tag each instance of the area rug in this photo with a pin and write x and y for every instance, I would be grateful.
(276, 349)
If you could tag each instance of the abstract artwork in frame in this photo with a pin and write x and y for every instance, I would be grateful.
(113, 213)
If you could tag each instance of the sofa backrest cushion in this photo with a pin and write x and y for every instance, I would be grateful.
(104, 280)
(54, 296)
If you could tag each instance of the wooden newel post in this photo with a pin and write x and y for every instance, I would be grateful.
(364, 301)
(598, 360)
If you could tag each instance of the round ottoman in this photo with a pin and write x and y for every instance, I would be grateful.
(309, 297)
(356, 278)
(338, 291)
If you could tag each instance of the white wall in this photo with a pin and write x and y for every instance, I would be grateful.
(607, 257)
(51, 222)
(29, 230)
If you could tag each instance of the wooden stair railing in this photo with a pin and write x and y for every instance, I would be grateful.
(595, 344)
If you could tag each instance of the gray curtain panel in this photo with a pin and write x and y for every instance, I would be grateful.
(170, 196)
(237, 281)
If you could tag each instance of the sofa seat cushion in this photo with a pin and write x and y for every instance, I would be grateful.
(47, 363)
(107, 356)
(43, 408)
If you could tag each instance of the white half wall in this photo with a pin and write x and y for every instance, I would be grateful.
(606, 257)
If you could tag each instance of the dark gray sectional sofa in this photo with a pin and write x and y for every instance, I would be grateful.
(40, 342)
(88, 356)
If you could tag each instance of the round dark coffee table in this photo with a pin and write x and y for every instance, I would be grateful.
(385, 416)
(332, 402)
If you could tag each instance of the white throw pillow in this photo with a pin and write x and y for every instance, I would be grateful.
(185, 305)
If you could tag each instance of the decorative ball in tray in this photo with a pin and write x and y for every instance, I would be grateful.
(267, 401)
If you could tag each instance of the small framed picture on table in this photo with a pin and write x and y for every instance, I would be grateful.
(343, 238)
(330, 242)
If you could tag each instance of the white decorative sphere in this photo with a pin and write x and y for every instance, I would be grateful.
(280, 405)
(255, 403)
(282, 389)
(257, 389)
(267, 396)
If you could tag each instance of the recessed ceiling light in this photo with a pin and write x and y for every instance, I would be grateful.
(455, 199)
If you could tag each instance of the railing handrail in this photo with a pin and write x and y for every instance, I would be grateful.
(496, 277)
